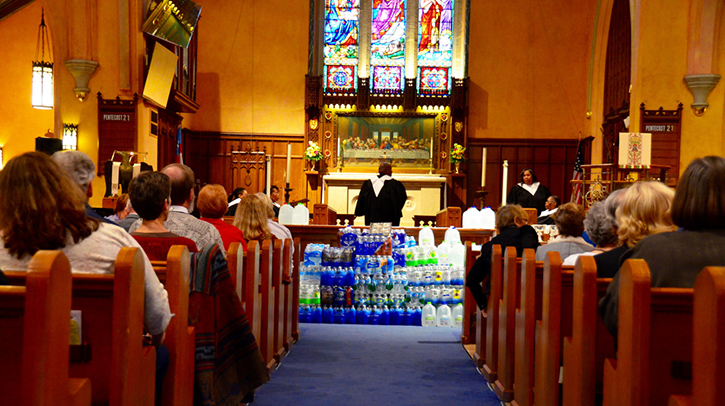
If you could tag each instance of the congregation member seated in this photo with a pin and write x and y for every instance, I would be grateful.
(274, 195)
(251, 217)
(608, 262)
(131, 218)
(212, 204)
(119, 212)
(569, 220)
(233, 200)
(551, 205)
(81, 170)
(42, 209)
(278, 230)
(599, 228)
(512, 230)
(675, 258)
(180, 221)
(149, 193)
(644, 209)
(529, 193)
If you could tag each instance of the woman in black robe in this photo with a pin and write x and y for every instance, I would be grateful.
(529, 193)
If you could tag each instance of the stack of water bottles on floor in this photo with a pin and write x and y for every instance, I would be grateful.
(384, 280)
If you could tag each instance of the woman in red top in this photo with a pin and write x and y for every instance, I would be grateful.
(212, 204)
(149, 193)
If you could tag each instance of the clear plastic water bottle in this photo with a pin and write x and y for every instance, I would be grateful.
(457, 315)
(428, 315)
(443, 316)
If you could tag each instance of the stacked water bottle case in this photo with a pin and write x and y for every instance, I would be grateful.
(384, 280)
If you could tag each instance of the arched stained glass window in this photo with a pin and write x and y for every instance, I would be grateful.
(435, 45)
(387, 46)
(341, 44)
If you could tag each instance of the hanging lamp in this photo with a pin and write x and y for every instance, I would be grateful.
(42, 97)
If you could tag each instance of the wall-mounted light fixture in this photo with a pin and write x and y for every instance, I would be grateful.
(70, 136)
(42, 97)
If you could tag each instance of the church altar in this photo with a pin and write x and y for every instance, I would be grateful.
(341, 191)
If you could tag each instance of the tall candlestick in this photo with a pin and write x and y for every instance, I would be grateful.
(268, 176)
(289, 162)
(505, 181)
(338, 148)
(483, 169)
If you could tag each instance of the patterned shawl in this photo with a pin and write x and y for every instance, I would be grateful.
(228, 362)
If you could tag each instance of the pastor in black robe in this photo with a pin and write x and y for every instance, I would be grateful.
(519, 195)
(381, 200)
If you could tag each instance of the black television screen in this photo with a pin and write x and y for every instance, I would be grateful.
(173, 21)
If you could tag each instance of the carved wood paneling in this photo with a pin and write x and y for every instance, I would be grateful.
(666, 129)
(551, 159)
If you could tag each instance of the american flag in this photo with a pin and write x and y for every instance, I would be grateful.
(179, 147)
(576, 191)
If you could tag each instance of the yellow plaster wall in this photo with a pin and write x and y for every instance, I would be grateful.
(528, 68)
(252, 65)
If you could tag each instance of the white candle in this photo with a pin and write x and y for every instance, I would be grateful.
(483, 169)
(338, 147)
(269, 175)
(289, 162)
(505, 181)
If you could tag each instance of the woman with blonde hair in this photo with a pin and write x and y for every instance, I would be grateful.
(251, 217)
(212, 204)
(513, 230)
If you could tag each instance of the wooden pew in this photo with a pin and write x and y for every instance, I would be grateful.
(654, 341)
(178, 387)
(250, 293)
(235, 263)
(555, 323)
(708, 332)
(470, 308)
(526, 316)
(266, 300)
(490, 366)
(590, 342)
(35, 332)
(296, 291)
(278, 300)
(288, 309)
(504, 384)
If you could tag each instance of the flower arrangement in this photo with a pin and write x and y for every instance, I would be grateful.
(313, 152)
(458, 153)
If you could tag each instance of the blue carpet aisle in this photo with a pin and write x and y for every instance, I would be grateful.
(376, 365)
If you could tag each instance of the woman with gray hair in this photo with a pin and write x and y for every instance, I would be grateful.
(598, 226)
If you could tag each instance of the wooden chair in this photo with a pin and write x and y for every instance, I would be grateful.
(590, 342)
(121, 369)
(526, 316)
(178, 387)
(532, 214)
(554, 324)
(504, 384)
(490, 366)
(35, 332)
(708, 332)
(654, 344)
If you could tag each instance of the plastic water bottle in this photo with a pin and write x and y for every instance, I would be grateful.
(426, 237)
(428, 315)
(375, 314)
(384, 316)
(286, 213)
(443, 316)
(327, 315)
(350, 315)
(338, 315)
(417, 319)
(361, 315)
(458, 255)
(443, 253)
(470, 218)
(301, 215)
(452, 235)
(316, 315)
(457, 315)
(395, 316)
(488, 219)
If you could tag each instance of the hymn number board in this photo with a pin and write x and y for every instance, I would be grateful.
(666, 129)
(117, 127)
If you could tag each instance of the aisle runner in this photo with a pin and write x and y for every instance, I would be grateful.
(376, 365)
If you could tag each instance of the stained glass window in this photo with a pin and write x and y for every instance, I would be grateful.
(433, 79)
(435, 33)
(388, 78)
(341, 77)
(341, 32)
